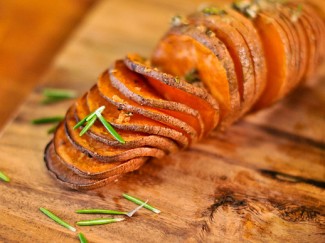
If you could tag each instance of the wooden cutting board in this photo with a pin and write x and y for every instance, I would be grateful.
(262, 180)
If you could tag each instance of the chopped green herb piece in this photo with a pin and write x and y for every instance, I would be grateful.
(82, 238)
(89, 124)
(53, 95)
(99, 221)
(213, 11)
(131, 213)
(109, 128)
(192, 76)
(100, 211)
(296, 13)
(4, 177)
(139, 202)
(45, 120)
(57, 219)
(52, 129)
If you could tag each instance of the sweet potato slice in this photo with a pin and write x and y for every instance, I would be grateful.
(67, 177)
(209, 57)
(136, 132)
(135, 87)
(177, 90)
(249, 33)
(219, 26)
(87, 166)
(300, 43)
(278, 59)
(291, 45)
(113, 96)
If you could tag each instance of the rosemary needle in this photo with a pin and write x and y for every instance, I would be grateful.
(82, 238)
(139, 202)
(100, 211)
(88, 117)
(45, 120)
(99, 221)
(53, 95)
(4, 177)
(57, 219)
(89, 124)
(109, 128)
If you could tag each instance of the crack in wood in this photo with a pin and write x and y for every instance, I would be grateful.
(292, 179)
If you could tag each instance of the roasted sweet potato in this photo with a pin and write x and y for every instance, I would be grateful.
(218, 25)
(211, 59)
(240, 58)
(175, 89)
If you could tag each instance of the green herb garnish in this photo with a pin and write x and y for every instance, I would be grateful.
(296, 13)
(91, 118)
(46, 120)
(99, 221)
(57, 219)
(54, 95)
(140, 202)
(82, 238)
(100, 211)
(192, 76)
(89, 124)
(213, 11)
(52, 129)
(4, 177)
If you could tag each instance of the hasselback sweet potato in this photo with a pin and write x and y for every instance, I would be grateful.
(209, 69)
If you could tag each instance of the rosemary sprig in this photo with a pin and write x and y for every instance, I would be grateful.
(131, 213)
(100, 211)
(46, 120)
(82, 238)
(99, 221)
(91, 118)
(4, 177)
(57, 219)
(140, 202)
(53, 95)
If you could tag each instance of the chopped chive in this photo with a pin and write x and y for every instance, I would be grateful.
(99, 221)
(82, 238)
(57, 219)
(109, 128)
(139, 202)
(45, 120)
(100, 211)
(4, 177)
(89, 124)
(52, 129)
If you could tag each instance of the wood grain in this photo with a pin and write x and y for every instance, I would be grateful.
(31, 33)
(262, 180)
